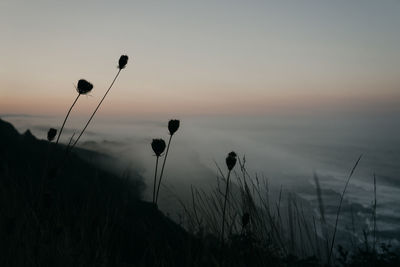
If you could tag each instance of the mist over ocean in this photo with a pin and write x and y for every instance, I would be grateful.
(286, 150)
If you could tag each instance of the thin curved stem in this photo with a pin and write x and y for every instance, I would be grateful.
(66, 117)
(374, 245)
(223, 211)
(91, 117)
(162, 169)
(155, 181)
(339, 207)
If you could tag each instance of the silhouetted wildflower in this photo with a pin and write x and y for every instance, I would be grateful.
(230, 163)
(51, 134)
(158, 146)
(231, 160)
(173, 126)
(123, 60)
(84, 87)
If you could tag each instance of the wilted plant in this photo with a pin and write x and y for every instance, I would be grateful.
(158, 146)
(123, 60)
(83, 87)
(230, 163)
(173, 126)
(51, 134)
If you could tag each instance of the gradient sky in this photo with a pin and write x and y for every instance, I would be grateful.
(201, 57)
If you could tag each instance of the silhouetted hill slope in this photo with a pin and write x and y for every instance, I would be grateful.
(82, 216)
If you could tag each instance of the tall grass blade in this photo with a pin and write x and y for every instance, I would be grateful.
(319, 197)
(339, 207)
(374, 231)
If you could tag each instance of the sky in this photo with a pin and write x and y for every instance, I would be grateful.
(201, 57)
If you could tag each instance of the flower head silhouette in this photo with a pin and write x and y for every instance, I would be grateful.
(158, 146)
(231, 160)
(51, 134)
(123, 60)
(84, 87)
(173, 126)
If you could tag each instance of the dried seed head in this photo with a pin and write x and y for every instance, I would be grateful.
(231, 160)
(123, 60)
(158, 146)
(173, 126)
(51, 134)
(84, 87)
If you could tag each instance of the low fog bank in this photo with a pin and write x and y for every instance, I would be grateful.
(287, 151)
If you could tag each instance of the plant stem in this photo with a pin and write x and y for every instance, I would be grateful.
(223, 211)
(338, 210)
(91, 117)
(155, 181)
(66, 117)
(374, 245)
(162, 169)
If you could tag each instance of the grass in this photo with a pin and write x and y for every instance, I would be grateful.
(95, 218)
(340, 206)
(282, 230)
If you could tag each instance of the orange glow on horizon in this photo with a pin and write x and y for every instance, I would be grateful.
(116, 106)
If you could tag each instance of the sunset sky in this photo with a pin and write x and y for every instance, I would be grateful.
(201, 57)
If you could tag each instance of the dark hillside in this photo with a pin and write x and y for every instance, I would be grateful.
(81, 216)
(69, 211)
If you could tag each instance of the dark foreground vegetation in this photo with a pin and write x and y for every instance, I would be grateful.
(86, 216)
